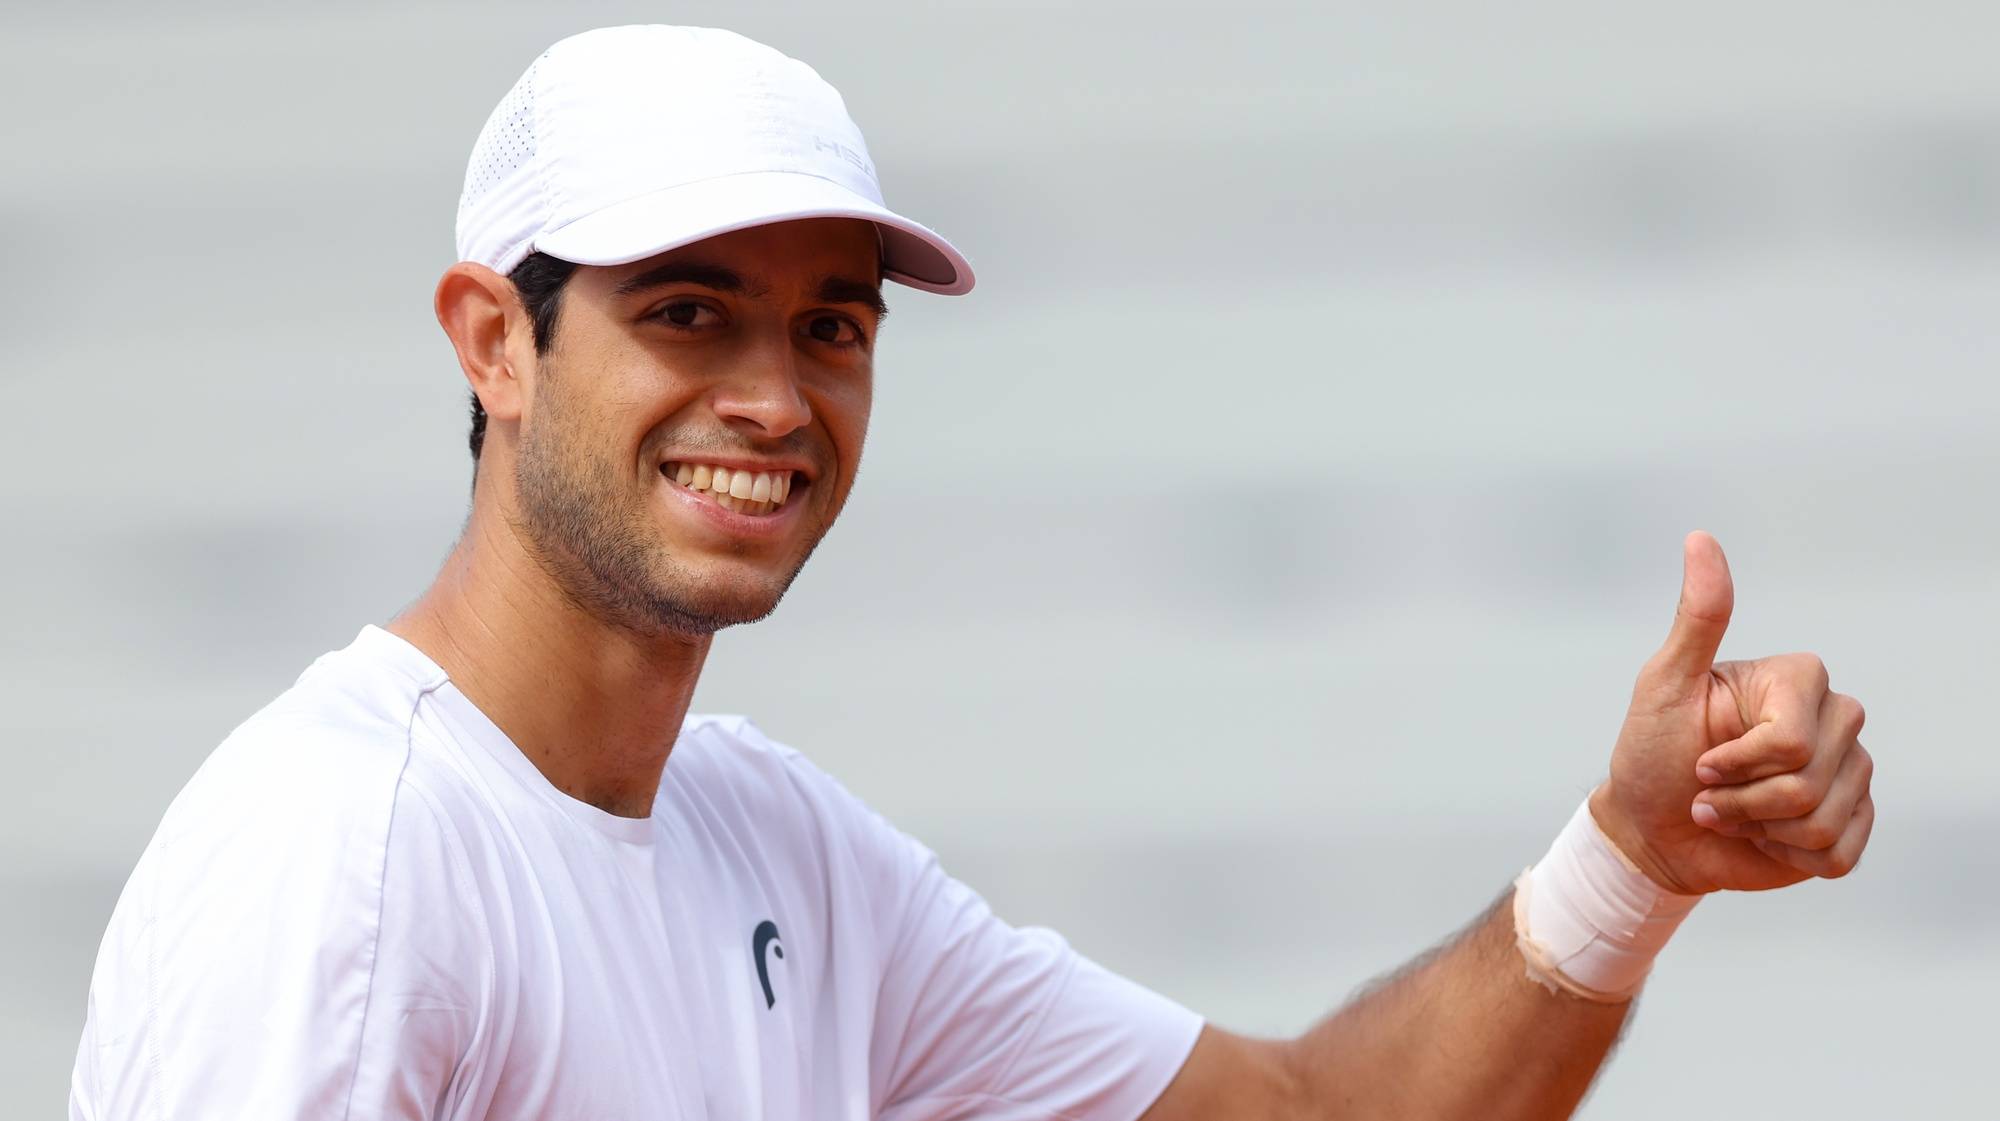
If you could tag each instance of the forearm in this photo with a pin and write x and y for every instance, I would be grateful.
(1461, 1033)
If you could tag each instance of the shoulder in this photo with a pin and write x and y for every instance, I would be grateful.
(730, 755)
(722, 743)
(283, 834)
(295, 803)
(726, 771)
(253, 922)
(324, 757)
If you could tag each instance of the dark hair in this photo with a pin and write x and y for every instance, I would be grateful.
(539, 281)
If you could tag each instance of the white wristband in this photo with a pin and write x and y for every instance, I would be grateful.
(1587, 920)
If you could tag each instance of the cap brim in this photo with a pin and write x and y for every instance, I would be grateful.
(668, 219)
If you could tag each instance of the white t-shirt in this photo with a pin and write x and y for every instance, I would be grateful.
(369, 904)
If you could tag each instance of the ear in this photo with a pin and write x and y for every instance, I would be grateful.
(481, 313)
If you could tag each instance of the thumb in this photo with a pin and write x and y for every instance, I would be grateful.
(1707, 596)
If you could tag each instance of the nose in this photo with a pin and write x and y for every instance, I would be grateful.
(760, 395)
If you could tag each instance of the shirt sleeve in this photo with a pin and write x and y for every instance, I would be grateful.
(981, 1019)
(271, 957)
(977, 1018)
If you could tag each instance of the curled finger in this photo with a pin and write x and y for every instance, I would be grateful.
(1784, 743)
(1830, 863)
(1827, 823)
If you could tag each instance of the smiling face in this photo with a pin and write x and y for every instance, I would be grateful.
(696, 426)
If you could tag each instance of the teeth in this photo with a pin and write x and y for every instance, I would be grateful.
(751, 492)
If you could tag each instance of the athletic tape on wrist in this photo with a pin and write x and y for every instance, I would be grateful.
(1587, 920)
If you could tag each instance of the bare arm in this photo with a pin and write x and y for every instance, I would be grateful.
(1462, 1032)
(1743, 776)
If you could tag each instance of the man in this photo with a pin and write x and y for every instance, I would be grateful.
(483, 864)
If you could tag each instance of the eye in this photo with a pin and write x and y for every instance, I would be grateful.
(835, 329)
(686, 315)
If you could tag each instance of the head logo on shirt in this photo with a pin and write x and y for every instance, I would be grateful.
(766, 936)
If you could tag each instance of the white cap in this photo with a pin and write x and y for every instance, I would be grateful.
(624, 142)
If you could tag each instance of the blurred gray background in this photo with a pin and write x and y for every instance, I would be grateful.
(1247, 580)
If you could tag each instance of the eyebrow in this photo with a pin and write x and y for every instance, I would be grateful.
(832, 289)
(844, 290)
(718, 277)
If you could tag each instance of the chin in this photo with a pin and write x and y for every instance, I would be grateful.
(711, 602)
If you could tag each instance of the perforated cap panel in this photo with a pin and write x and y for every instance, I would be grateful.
(502, 177)
(506, 145)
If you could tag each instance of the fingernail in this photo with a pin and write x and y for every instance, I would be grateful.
(1705, 815)
(1708, 774)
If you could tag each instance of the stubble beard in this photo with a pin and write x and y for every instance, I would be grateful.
(596, 541)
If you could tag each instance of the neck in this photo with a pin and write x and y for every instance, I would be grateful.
(594, 706)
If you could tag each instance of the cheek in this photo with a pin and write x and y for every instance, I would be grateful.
(846, 417)
(632, 398)
(565, 424)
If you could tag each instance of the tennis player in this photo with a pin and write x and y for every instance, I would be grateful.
(482, 863)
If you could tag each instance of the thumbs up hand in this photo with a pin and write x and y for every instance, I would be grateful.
(1734, 775)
